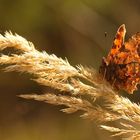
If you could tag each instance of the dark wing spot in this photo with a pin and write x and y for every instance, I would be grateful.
(138, 49)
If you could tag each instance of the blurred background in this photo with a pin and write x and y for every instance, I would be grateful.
(82, 31)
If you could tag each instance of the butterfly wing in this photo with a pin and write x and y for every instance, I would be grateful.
(117, 44)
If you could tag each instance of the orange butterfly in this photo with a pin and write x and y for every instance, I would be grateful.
(121, 67)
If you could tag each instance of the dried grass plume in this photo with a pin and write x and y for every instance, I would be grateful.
(79, 88)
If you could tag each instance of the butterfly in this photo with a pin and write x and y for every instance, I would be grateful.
(121, 67)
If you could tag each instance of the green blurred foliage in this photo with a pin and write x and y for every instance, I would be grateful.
(69, 28)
